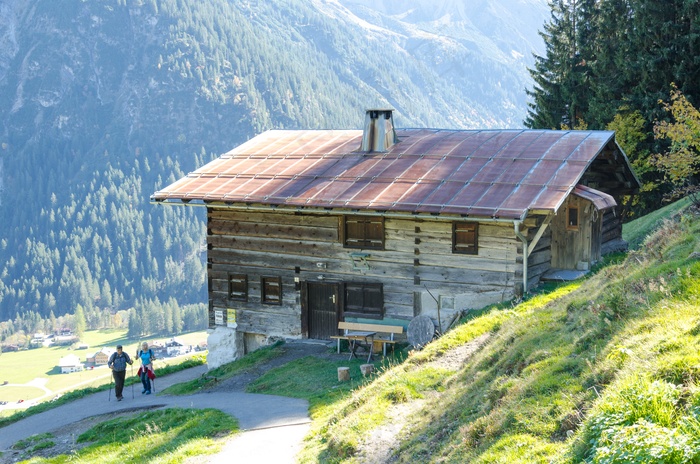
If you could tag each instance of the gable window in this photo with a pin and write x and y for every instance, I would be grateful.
(572, 219)
(465, 238)
(363, 232)
(271, 288)
(364, 300)
(238, 287)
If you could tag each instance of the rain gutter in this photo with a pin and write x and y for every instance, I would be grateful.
(336, 212)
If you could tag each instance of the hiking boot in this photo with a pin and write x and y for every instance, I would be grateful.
(143, 391)
(148, 392)
(119, 398)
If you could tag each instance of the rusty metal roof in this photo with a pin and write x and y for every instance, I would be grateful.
(600, 200)
(485, 173)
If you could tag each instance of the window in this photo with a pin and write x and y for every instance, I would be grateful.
(238, 287)
(364, 300)
(465, 238)
(271, 290)
(572, 219)
(364, 232)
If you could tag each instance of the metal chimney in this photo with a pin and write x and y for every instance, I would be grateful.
(379, 134)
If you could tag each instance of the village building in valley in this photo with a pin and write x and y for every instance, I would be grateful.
(306, 228)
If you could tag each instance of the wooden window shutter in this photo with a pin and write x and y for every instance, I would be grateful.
(465, 238)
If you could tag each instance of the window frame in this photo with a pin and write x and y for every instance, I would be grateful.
(244, 293)
(265, 281)
(365, 240)
(364, 311)
(569, 211)
(464, 248)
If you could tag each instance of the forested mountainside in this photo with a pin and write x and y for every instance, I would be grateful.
(102, 103)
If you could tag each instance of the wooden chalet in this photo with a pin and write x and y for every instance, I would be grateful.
(307, 228)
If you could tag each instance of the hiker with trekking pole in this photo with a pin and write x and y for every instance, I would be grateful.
(117, 362)
(146, 372)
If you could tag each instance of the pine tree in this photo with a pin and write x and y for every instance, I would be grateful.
(551, 107)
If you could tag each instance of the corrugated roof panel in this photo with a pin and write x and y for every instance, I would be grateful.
(563, 148)
(417, 144)
(450, 141)
(544, 141)
(337, 166)
(394, 167)
(495, 196)
(443, 169)
(542, 172)
(421, 166)
(493, 170)
(466, 198)
(370, 194)
(595, 144)
(495, 143)
(471, 144)
(287, 188)
(517, 170)
(441, 195)
(519, 199)
(550, 198)
(468, 169)
(392, 198)
(568, 174)
(363, 169)
(415, 194)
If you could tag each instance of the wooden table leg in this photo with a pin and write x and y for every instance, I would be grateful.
(353, 347)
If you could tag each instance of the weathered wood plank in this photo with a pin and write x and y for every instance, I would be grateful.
(275, 218)
(280, 231)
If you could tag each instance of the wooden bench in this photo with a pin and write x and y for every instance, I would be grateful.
(386, 333)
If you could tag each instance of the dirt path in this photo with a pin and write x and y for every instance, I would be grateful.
(383, 441)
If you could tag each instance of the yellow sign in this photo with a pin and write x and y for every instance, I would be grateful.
(231, 318)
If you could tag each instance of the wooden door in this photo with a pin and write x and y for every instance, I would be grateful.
(323, 310)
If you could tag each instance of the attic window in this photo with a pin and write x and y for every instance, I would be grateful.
(271, 288)
(572, 219)
(465, 238)
(238, 287)
(363, 232)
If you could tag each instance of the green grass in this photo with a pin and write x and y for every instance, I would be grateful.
(164, 436)
(603, 369)
(635, 232)
(227, 370)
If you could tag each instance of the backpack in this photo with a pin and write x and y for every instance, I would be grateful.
(150, 353)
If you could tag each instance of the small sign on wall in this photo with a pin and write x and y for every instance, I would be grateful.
(231, 318)
(218, 317)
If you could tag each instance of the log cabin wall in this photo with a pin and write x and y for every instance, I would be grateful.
(540, 258)
(298, 248)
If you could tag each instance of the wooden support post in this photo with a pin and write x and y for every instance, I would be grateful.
(343, 374)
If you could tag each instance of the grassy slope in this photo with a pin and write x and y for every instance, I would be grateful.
(599, 370)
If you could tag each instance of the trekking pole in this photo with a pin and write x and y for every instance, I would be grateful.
(132, 381)
(111, 381)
